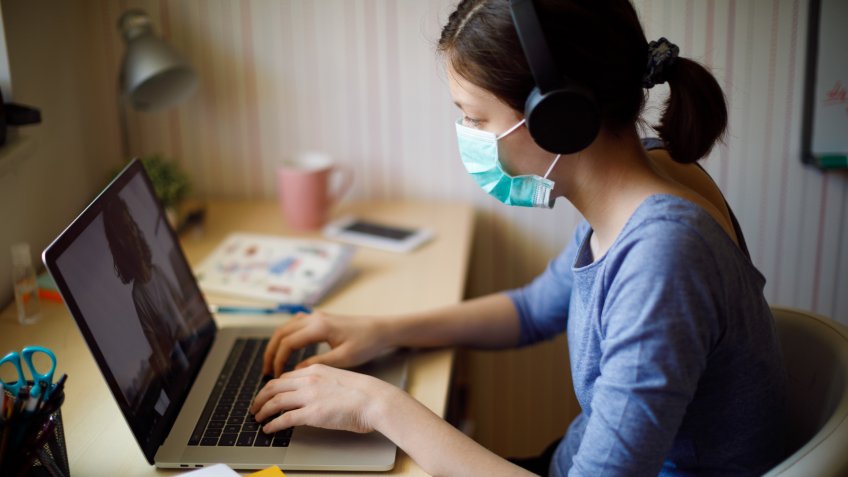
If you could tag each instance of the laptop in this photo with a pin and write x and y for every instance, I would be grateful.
(182, 383)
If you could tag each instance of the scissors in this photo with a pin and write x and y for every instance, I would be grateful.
(39, 379)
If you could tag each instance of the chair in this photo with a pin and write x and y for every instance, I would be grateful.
(815, 350)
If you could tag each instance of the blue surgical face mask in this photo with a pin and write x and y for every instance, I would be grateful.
(479, 152)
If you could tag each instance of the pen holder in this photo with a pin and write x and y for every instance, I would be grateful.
(34, 446)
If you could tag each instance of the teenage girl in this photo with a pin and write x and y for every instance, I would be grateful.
(673, 351)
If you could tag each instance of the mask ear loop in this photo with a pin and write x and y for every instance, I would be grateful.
(511, 129)
(552, 166)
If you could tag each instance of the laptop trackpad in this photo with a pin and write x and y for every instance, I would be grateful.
(322, 449)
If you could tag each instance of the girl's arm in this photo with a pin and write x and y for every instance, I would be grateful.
(332, 398)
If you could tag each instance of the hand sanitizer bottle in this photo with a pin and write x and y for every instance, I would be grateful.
(26, 287)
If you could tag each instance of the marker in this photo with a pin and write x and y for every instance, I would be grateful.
(251, 310)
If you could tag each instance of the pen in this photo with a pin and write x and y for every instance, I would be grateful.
(45, 389)
(23, 423)
(21, 402)
(251, 310)
(55, 395)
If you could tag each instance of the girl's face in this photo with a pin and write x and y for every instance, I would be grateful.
(480, 109)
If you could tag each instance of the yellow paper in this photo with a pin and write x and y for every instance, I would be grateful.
(272, 471)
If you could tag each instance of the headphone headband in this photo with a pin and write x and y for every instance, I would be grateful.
(539, 58)
(561, 115)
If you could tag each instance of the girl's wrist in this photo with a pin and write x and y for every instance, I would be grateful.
(391, 329)
(385, 403)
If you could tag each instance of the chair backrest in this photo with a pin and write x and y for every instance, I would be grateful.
(815, 351)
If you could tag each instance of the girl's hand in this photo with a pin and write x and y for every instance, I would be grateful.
(354, 340)
(321, 396)
(331, 398)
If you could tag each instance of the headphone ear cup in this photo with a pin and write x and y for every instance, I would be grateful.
(562, 121)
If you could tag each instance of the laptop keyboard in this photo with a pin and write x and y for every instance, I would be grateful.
(225, 420)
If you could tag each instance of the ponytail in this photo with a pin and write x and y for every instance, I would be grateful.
(695, 114)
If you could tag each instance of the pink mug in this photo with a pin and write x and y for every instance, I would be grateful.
(303, 188)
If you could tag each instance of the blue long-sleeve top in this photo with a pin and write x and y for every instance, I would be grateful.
(674, 355)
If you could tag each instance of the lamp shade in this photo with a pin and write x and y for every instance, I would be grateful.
(153, 75)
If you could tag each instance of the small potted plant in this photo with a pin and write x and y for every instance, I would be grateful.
(170, 183)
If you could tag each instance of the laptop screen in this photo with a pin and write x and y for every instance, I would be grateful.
(127, 283)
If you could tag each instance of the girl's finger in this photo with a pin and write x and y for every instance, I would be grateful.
(273, 343)
(298, 339)
(295, 417)
(335, 357)
(280, 402)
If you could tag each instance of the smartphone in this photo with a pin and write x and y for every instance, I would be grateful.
(377, 235)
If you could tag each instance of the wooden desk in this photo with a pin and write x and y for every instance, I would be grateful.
(99, 440)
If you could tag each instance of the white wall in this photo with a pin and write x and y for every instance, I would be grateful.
(56, 63)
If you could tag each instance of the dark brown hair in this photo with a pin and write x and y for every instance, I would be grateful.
(130, 252)
(600, 45)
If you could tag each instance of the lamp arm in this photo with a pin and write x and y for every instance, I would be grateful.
(122, 120)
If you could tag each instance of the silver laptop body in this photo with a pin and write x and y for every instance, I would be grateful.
(126, 282)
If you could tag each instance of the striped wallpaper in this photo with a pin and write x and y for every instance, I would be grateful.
(359, 80)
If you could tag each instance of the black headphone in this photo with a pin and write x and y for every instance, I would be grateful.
(562, 116)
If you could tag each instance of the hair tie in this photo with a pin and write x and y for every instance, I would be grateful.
(661, 55)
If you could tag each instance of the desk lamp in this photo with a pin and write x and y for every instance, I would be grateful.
(153, 75)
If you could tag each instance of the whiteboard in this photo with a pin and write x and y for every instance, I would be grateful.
(825, 131)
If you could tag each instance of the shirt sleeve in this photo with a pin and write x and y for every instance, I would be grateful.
(543, 304)
(659, 321)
